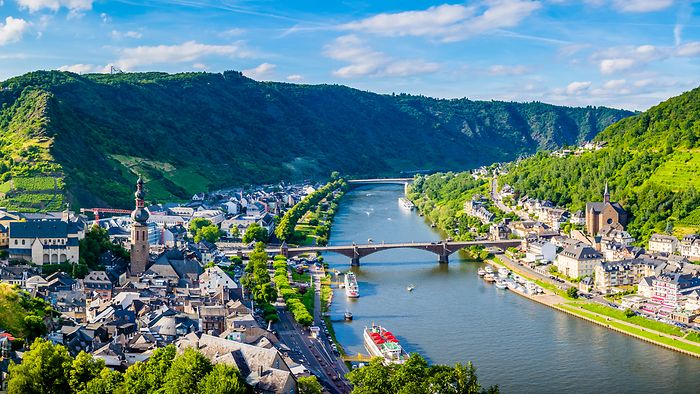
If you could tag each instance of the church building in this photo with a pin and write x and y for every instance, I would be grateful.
(599, 214)
(139, 232)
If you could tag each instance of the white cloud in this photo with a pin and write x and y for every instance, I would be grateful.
(364, 61)
(54, 5)
(232, 32)
(186, 52)
(105, 17)
(617, 59)
(264, 70)
(611, 66)
(500, 69)
(689, 49)
(199, 66)
(81, 68)
(12, 30)
(575, 88)
(642, 5)
(448, 22)
(118, 35)
(614, 84)
(294, 78)
(678, 34)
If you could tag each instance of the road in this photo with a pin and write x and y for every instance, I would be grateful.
(499, 202)
(314, 353)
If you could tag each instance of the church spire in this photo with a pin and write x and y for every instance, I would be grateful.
(606, 195)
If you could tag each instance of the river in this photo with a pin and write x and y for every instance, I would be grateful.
(454, 316)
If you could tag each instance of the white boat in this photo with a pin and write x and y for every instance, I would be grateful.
(501, 284)
(380, 342)
(503, 272)
(488, 269)
(347, 315)
(351, 288)
(406, 203)
(511, 284)
(489, 278)
(410, 287)
(481, 272)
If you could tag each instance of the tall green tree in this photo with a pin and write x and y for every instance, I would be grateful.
(45, 369)
(186, 371)
(255, 232)
(309, 385)
(84, 369)
(107, 382)
(223, 379)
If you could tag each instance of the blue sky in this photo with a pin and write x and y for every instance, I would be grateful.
(620, 53)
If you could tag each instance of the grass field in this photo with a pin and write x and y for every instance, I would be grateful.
(680, 172)
(633, 330)
(638, 320)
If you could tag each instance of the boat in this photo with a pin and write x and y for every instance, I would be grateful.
(351, 288)
(488, 269)
(380, 342)
(433, 225)
(501, 284)
(481, 272)
(406, 203)
(347, 315)
(503, 272)
(489, 278)
(410, 287)
(511, 284)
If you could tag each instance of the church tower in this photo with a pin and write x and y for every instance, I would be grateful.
(606, 195)
(139, 232)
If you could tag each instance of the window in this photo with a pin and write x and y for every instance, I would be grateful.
(22, 242)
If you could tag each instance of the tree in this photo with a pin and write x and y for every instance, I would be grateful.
(309, 385)
(196, 224)
(186, 371)
(143, 378)
(223, 379)
(84, 369)
(107, 382)
(211, 233)
(234, 231)
(572, 292)
(630, 313)
(44, 370)
(255, 232)
(34, 327)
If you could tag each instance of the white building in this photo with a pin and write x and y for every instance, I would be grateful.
(578, 261)
(45, 241)
(661, 243)
(689, 247)
(541, 251)
(213, 215)
(213, 280)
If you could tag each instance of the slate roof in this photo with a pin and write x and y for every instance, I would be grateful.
(41, 229)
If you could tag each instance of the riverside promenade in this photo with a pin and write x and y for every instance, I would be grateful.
(555, 301)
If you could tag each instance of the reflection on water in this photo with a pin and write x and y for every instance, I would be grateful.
(453, 316)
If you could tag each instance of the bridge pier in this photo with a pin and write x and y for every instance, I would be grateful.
(355, 262)
(443, 258)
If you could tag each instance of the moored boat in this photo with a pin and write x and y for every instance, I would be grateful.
(380, 342)
(406, 203)
(481, 272)
(489, 278)
(503, 272)
(501, 284)
(351, 288)
(488, 269)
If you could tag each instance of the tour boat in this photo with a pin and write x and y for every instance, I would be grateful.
(351, 288)
(489, 278)
(488, 269)
(503, 272)
(347, 315)
(410, 287)
(406, 203)
(380, 342)
(501, 284)
(481, 272)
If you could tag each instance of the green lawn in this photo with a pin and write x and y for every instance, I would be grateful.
(693, 336)
(300, 277)
(638, 320)
(680, 172)
(633, 330)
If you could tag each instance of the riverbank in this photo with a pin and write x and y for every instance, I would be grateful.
(554, 299)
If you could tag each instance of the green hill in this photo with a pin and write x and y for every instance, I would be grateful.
(652, 163)
(200, 131)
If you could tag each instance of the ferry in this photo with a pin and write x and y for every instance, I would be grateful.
(503, 272)
(406, 203)
(351, 288)
(501, 284)
(380, 342)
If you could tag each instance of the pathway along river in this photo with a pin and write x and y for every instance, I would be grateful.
(454, 316)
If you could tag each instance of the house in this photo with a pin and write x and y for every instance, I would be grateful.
(264, 369)
(599, 214)
(645, 287)
(690, 247)
(661, 243)
(98, 283)
(499, 231)
(622, 273)
(540, 251)
(578, 218)
(212, 318)
(214, 280)
(44, 241)
(615, 233)
(476, 207)
(669, 290)
(578, 261)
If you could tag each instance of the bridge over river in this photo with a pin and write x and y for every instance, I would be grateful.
(355, 251)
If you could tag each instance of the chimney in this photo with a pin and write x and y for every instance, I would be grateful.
(260, 370)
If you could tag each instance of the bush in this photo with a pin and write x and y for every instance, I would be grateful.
(572, 292)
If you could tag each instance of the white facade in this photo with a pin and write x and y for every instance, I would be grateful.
(660, 243)
(213, 280)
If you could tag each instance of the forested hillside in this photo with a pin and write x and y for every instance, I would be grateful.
(652, 164)
(85, 137)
